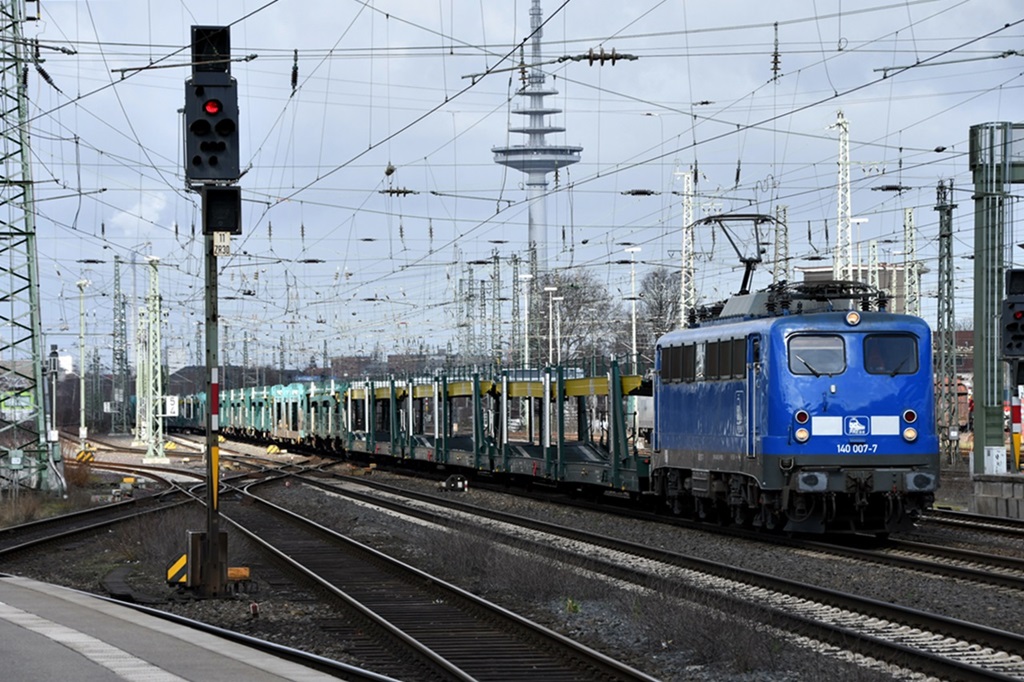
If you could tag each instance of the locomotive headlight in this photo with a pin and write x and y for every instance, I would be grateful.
(802, 435)
(853, 318)
(910, 434)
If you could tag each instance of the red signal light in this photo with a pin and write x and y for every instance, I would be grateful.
(1018, 314)
(212, 107)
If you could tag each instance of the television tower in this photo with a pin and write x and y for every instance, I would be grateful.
(536, 158)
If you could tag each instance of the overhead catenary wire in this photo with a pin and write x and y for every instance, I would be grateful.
(506, 217)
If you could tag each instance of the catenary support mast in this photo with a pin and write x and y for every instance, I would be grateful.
(26, 452)
(842, 263)
(995, 160)
(119, 364)
(154, 368)
(945, 329)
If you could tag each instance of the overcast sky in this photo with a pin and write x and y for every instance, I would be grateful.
(401, 83)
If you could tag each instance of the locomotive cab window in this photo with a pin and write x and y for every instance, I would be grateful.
(669, 372)
(688, 363)
(816, 354)
(890, 354)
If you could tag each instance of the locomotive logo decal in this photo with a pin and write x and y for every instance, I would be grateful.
(857, 426)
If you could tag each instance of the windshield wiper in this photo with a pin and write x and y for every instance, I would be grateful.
(807, 365)
(900, 366)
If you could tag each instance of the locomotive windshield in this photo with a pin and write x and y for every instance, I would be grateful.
(817, 354)
(890, 354)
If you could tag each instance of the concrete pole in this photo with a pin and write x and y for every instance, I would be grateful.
(632, 251)
(558, 328)
(551, 322)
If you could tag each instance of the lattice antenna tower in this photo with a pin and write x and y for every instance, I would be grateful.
(536, 158)
(842, 262)
(119, 360)
(24, 448)
(154, 366)
(945, 330)
(912, 284)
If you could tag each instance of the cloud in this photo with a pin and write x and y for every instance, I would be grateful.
(139, 220)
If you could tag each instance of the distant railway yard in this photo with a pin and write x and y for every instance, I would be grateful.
(581, 589)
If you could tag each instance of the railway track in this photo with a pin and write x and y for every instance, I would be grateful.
(442, 631)
(949, 562)
(35, 533)
(919, 640)
(969, 521)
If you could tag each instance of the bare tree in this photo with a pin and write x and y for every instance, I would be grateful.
(591, 321)
(658, 307)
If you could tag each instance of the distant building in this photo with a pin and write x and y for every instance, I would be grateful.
(353, 366)
(891, 280)
(407, 363)
(964, 340)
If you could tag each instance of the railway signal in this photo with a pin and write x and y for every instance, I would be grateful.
(1013, 326)
(211, 110)
(212, 168)
(222, 209)
(1012, 315)
(211, 129)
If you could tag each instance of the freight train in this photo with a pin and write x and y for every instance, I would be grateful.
(801, 408)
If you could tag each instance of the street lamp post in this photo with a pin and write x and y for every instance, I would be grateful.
(632, 251)
(551, 320)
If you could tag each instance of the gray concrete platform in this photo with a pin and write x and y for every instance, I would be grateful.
(49, 632)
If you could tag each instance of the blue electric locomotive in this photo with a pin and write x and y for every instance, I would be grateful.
(797, 417)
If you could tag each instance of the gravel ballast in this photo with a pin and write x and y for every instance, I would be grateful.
(669, 636)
